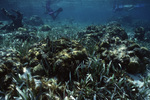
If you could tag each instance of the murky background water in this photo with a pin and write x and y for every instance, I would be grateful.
(92, 11)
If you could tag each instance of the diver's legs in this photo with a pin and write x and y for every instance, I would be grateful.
(56, 13)
(53, 16)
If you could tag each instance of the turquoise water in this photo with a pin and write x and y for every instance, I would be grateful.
(92, 11)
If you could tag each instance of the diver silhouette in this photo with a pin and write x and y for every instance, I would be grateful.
(127, 7)
(50, 11)
(16, 20)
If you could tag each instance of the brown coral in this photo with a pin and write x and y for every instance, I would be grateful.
(59, 57)
(125, 53)
(9, 64)
(98, 32)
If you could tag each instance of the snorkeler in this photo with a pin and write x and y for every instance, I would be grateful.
(126, 7)
(52, 13)
(16, 20)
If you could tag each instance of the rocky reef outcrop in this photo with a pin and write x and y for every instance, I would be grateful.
(72, 69)
(112, 46)
(139, 33)
(94, 32)
(25, 36)
(124, 53)
(59, 57)
(9, 63)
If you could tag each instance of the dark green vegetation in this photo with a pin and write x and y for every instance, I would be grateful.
(56, 63)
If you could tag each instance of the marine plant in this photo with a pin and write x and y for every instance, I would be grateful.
(23, 47)
(101, 83)
(93, 78)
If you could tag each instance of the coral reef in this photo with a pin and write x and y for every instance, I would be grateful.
(114, 46)
(20, 35)
(9, 63)
(139, 33)
(10, 57)
(93, 64)
(112, 29)
(58, 57)
(25, 36)
(124, 53)
(115, 30)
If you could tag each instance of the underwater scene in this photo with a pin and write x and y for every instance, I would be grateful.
(74, 49)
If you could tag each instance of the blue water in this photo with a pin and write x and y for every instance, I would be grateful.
(92, 11)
